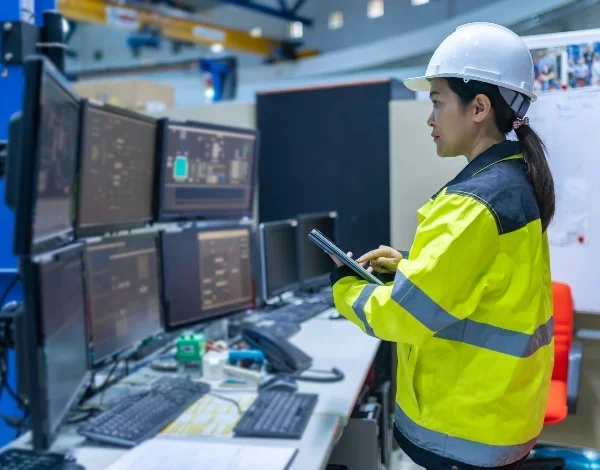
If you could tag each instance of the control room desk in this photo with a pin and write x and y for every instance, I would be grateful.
(331, 343)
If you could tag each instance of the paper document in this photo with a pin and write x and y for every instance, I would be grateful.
(210, 416)
(171, 454)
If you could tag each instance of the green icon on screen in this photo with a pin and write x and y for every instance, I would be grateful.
(180, 169)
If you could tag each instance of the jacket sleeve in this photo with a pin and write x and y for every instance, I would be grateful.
(438, 286)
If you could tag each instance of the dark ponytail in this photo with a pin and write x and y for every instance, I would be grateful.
(531, 145)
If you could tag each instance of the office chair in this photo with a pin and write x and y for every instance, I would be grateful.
(564, 388)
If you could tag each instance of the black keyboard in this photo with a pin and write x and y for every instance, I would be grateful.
(21, 459)
(277, 415)
(139, 417)
(298, 313)
(285, 329)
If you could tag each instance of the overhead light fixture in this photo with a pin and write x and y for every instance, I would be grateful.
(418, 3)
(256, 32)
(375, 9)
(296, 30)
(217, 48)
(66, 27)
(336, 20)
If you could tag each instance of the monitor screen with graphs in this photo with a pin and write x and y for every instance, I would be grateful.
(123, 296)
(46, 166)
(118, 152)
(207, 171)
(206, 273)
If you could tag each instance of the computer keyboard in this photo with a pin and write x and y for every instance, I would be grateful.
(284, 328)
(139, 417)
(22, 459)
(277, 415)
(298, 313)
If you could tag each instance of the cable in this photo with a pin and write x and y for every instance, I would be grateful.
(336, 376)
(230, 400)
(106, 382)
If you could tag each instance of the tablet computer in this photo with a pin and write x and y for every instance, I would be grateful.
(329, 247)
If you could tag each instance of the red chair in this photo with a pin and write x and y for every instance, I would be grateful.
(564, 389)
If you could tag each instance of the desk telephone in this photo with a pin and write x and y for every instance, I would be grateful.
(286, 358)
(281, 354)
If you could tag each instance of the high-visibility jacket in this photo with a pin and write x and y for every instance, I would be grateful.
(471, 312)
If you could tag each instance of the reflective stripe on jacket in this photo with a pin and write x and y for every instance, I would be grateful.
(471, 313)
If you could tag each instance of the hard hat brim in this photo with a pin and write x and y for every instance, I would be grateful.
(424, 83)
(418, 84)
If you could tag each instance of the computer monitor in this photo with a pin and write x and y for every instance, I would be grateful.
(207, 171)
(279, 261)
(49, 131)
(116, 170)
(123, 296)
(56, 361)
(206, 273)
(314, 265)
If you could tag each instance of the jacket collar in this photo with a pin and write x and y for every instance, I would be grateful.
(494, 154)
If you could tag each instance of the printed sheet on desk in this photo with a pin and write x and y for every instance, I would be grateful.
(172, 454)
(210, 416)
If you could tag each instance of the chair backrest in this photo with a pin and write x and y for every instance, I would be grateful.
(563, 329)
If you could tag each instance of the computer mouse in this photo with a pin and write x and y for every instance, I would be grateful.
(279, 383)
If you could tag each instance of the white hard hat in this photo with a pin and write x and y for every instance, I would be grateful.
(485, 52)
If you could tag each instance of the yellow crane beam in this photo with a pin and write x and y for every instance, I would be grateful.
(172, 27)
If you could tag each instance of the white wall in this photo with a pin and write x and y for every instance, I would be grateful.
(416, 172)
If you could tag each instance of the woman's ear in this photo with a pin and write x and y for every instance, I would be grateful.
(481, 107)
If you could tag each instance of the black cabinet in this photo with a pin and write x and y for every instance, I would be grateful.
(328, 148)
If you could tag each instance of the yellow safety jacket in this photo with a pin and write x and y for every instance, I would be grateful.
(471, 313)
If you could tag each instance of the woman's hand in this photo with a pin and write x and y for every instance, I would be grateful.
(383, 260)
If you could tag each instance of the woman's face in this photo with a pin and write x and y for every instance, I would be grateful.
(451, 128)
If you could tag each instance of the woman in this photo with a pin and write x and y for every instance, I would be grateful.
(471, 307)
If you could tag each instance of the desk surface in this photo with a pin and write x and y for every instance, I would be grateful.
(331, 343)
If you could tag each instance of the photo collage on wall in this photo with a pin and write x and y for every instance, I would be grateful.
(582, 67)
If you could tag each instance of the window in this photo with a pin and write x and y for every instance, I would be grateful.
(416, 3)
(296, 30)
(336, 20)
(375, 8)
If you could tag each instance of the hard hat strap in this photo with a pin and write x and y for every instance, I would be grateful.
(518, 102)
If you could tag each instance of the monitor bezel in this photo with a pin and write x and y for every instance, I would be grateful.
(99, 362)
(43, 434)
(323, 279)
(223, 312)
(101, 229)
(267, 295)
(167, 216)
(34, 70)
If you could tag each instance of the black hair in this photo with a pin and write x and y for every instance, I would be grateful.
(530, 143)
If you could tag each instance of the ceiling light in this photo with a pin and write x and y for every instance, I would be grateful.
(336, 20)
(375, 8)
(217, 48)
(417, 3)
(256, 32)
(296, 30)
